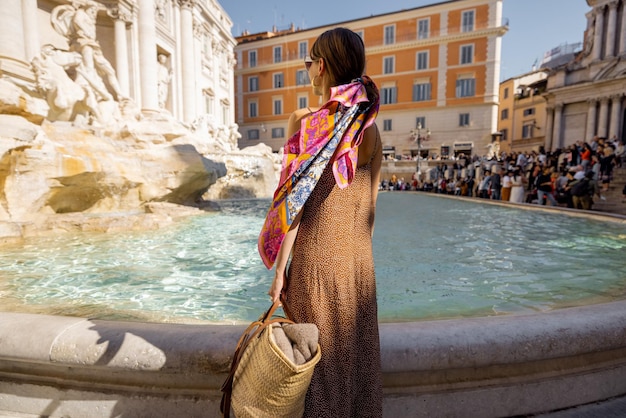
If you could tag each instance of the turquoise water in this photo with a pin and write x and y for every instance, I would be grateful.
(435, 258)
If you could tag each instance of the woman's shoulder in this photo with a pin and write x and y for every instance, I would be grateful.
(296, 117)
(369, 144)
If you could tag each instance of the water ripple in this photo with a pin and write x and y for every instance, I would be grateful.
(434, 259)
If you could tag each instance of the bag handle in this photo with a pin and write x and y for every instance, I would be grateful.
(253, 331)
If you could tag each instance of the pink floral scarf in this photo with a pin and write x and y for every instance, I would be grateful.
(330, 135)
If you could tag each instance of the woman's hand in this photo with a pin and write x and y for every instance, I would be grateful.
(277, 286)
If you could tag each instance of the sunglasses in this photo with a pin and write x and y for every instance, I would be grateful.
(308, 61)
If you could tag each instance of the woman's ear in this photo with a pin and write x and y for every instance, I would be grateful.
(322, 66)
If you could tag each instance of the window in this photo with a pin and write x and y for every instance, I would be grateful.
(252, 58)
(421, 122)
(253, 134)
(506, 93)
(466, 87)
(303, 102)
(422, 60)
(278, 80)
(529, 111)
(302, 78)
(278, 106)
(527, 130)
(388, 65)
(389, 95)
(253, 83)
(467, 54)
(253, 109)
(421, 92)
(468, 21)
(387, 125)
(423, 28)
(209, 100)
(278, 132)
(390, 35)
(464, 119)
(505, 134)
(225, 113)
(303, 49)
(278, 54)
(504, 114)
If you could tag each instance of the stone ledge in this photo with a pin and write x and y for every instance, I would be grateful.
(500, 366)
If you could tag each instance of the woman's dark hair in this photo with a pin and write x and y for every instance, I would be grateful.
(343, 53)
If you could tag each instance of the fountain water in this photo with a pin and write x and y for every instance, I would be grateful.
(539, 359)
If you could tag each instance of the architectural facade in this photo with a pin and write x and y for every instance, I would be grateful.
(585, 98)
(437, 67)
(521, 122)
(163, 55)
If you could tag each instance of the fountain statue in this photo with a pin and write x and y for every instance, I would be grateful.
(73, 144)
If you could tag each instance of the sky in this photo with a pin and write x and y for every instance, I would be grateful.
(535, 26)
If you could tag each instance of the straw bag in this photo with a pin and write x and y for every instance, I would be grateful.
(263, 381)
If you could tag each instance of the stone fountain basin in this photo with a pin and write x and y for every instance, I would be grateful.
(479, 367)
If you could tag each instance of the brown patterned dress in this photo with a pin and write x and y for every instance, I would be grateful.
(331, 283)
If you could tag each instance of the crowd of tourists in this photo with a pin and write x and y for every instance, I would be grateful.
(571, 177)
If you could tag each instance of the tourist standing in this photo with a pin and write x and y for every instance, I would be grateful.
(496, 184)
(506, 186)
(517, 186)
(545, 187)
(331, 280)
(607, 162)
(484, 185)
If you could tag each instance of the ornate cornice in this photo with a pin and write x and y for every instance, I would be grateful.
(187, 4)
(198, 29)
(122, 14)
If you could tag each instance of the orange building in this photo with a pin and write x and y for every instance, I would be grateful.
(437, 68)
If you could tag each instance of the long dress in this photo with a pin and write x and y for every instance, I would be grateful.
(517, 190)
(331, 282)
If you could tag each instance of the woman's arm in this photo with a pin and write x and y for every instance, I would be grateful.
(376, 165)
(282, 258)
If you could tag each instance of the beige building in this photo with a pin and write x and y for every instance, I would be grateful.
(191, 36)
(437, 67)
(522, 116)
(586, 97)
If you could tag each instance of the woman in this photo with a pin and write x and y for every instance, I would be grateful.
(331, 279)
(506, 185)
(607, 162)
(585, 157)
(517, 187)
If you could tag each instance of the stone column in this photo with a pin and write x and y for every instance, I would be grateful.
(612, 29)
(622, 35)
(616, 112)
(31, 29)
(603, 119)
(549, 128)
(598, 31)
(558, 122)
(121, 18)
(592, 113)
(187, 53)
(147, 57)
(11, 35)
